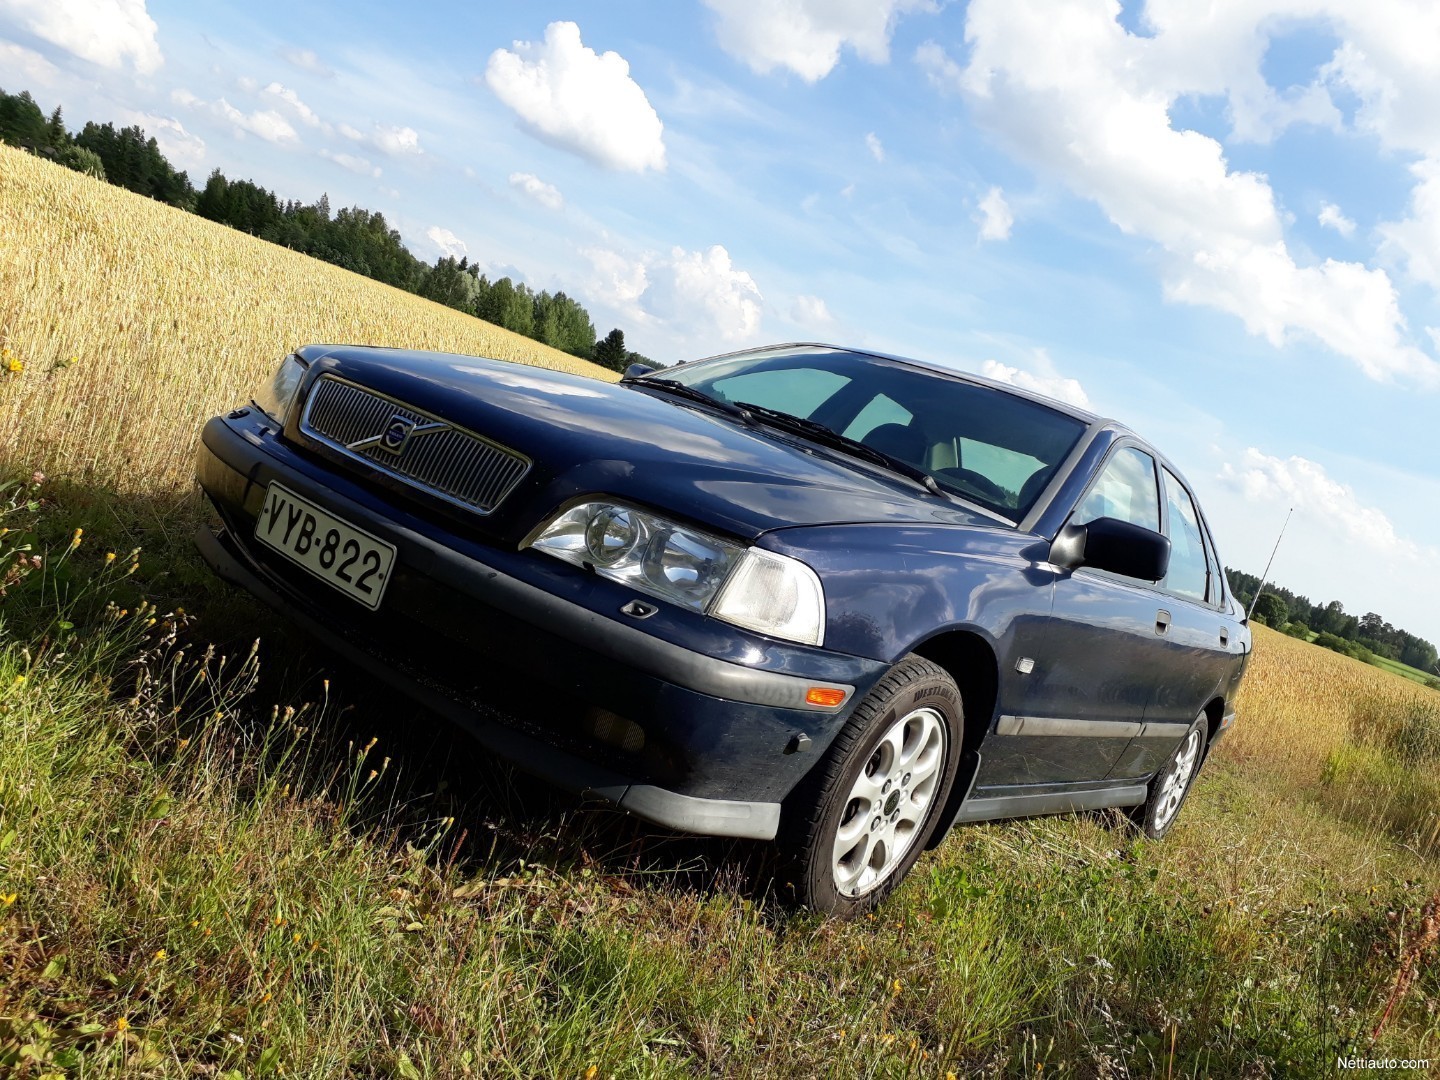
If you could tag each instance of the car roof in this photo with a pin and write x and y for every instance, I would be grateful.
(1085, 416)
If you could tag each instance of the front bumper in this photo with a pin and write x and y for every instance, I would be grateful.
(720, 737)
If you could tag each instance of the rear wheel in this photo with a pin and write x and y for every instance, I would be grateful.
(859, 822)
(1172, 783)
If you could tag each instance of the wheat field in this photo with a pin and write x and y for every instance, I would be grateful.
(132, 322)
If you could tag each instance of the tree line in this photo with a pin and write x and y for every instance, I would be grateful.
(355, 238)
(1355, 635)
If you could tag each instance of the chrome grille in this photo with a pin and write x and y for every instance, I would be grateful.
(433, 455)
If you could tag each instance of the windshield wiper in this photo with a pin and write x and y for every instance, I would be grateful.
(689, 393)
(828, 436)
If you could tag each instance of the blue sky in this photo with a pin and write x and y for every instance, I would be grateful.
(1218, 223)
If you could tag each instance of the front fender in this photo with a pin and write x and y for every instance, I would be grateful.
(888, 588)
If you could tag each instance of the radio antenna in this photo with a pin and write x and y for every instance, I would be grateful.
(1266, 575)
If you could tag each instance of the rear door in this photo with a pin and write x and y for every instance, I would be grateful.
(1200, 654)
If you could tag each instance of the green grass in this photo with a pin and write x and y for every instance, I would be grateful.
(206, 845)
(1404, 670)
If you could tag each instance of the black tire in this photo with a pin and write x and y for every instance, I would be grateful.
(914, 707)
(1171, 785)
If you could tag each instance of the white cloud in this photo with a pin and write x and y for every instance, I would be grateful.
(707, 283)
(811, 311)
(806, 36)
(618, 280)
(448, 243)
(1044, 379)
(306, 60)
(1415, 241)
(1305, 485)
(265, 123)
(246, 83)
(876, 148)
(1085, 101)
(388, 139)
(579, 100)
(1331, 217)
(29, 65)
(180, 146)
(110, 33)
(396, 141)
(359, 165)
(292, 99)
(699, 294)
(547, 195)
(995, 216)
(185, 97)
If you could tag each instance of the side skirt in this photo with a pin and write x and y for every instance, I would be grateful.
(998, 808)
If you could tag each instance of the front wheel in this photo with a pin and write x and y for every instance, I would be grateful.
(1172, 783)
(859, 822)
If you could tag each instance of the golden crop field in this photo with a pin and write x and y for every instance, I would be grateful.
(135, 321)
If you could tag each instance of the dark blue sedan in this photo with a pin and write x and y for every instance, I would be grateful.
(827, 597)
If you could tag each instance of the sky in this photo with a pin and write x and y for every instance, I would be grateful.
(1218, 223)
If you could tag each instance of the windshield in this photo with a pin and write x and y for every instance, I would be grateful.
(991, 447)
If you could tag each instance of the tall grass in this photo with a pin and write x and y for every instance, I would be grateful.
(134, 322)
(205, 871)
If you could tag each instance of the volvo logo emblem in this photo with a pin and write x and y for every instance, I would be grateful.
(397, 433)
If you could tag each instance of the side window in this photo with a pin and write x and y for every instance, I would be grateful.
(1189, 565)
(1126, 490)
(797, 391)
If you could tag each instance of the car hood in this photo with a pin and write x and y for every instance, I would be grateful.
(585, 436)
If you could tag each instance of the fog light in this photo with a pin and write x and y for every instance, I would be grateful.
(827, 696)
(616, 730)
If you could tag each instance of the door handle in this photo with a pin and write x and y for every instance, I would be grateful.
(1162, 621)
(1225, 637)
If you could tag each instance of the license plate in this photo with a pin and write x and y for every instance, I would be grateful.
(336, 552)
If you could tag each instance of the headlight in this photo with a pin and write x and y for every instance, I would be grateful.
(276, 397)
(756, 589)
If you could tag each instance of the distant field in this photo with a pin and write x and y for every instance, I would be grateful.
(136, 321)
(249, 861)
(1414, 674)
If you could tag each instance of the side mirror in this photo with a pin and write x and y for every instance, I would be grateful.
(1113, 545)
(634, 371)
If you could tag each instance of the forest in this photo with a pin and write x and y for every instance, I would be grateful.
(1335, 628)
(354, 238)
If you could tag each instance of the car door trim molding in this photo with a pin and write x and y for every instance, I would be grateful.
(1053, 726)
(1057, 802)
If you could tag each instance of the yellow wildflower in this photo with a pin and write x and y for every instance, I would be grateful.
(160, 954)
(14, 365)
(895, 988)
(121, 1024)
(590, 1072)
(109, 557)
(8, 899)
